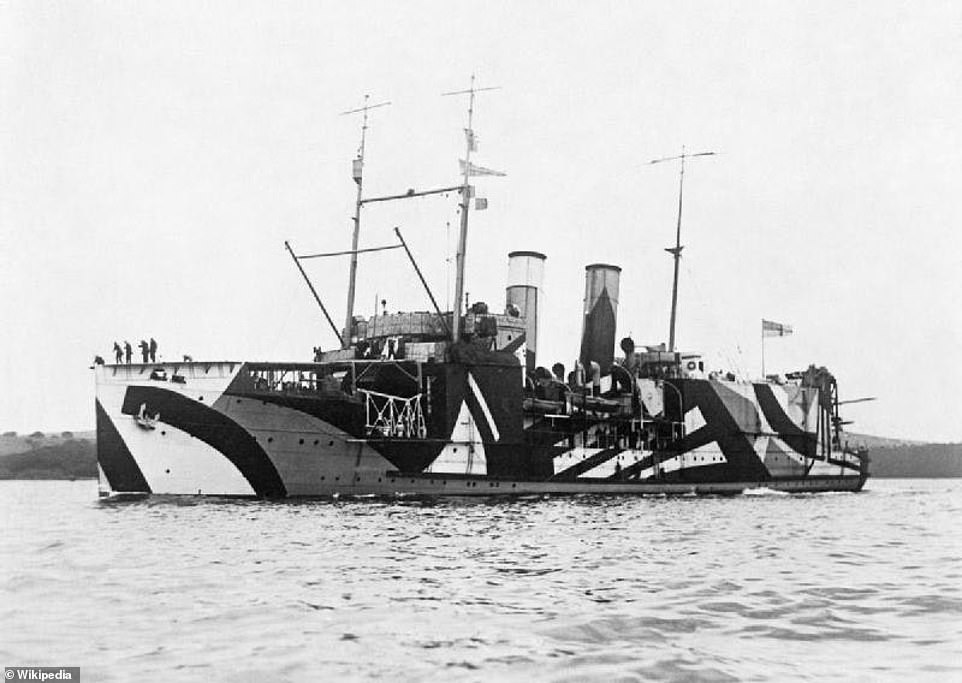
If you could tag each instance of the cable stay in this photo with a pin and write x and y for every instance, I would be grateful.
(353, 253)
(314, 292)
(348, 251)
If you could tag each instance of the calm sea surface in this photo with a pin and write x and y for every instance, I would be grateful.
(757, 587)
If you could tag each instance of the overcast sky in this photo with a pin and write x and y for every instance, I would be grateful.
(154, 156)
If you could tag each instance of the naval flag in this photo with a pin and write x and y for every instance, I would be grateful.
(773, 329)
(478, 170)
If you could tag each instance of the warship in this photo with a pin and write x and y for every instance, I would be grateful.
(455, 403)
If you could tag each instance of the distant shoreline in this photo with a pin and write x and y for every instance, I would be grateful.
(55, 456)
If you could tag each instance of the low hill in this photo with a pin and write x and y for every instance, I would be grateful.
(928, 460)
(52, 459)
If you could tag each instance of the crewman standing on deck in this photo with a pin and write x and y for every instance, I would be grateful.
(153, 350)
(144, 350)
(118, 354)
(128, 351)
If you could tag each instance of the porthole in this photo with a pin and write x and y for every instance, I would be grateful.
(316, 442)
(270, 439)
(238, 400)
(201, 398)
(301, 442)
(163, 432)
(330, 443)
(167, 471)
(337, 478)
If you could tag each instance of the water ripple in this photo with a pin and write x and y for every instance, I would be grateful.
(754, 587)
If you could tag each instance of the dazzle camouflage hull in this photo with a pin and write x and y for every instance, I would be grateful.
(464, 426)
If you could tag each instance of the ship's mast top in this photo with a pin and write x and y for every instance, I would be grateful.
(358, 174)
(676, 250)
(468, 171)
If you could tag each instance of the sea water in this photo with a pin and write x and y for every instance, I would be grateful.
(761, 586)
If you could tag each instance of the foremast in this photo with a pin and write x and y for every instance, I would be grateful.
(357, 171)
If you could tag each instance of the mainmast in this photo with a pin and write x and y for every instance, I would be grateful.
(358, 174)
(468, 171)
(676, 250)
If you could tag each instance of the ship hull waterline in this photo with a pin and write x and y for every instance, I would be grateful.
(421, 486)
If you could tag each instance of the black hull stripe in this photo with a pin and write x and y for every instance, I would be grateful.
(636, 468)
(802, 442)
(213, 428)
(115, 459)
(743, 462)
(588, 464)
(513, 346)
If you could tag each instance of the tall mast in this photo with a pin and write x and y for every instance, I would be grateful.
(676, 250)
(676, 253)
(358, 174)
(465, 203)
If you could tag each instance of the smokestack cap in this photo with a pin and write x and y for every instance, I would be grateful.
(605, 266)
(533, 254)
